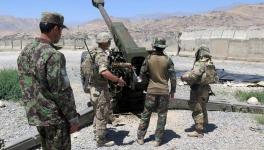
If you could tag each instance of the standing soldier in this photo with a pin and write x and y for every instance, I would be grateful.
(46, 90)
(202, 74)
(100, 95)
(179, 43)
(86, 73)
(157, 68)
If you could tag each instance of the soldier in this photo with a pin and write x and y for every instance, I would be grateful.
(202, 74)
(179, 43)
(100, 95)
(157, 68)
(46, 89)
(85, 73)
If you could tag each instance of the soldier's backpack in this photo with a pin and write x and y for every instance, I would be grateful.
(86, 70)
(210, 75)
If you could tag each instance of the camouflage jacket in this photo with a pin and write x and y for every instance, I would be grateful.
(46, 90)
(158, 69)
(194, 76)
(197, 70)
(101, 63)
(196, 73)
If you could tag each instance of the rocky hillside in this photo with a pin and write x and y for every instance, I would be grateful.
(11, 25)
(237, 17)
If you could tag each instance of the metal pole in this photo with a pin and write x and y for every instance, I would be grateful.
(21, 44)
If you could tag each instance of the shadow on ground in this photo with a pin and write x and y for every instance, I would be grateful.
(168, 136)
(118, 136)
(210, 127)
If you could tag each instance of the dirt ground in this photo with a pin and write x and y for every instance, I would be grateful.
(236, 124)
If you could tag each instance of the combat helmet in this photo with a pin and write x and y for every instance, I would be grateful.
(203, 51)
(159, 42)
(103, 37)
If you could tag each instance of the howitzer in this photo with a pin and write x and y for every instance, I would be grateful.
(125, 62)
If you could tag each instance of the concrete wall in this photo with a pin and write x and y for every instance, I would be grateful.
(20, 44)
(227, 44)
(224, 44)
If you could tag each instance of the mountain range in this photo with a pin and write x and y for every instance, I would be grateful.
(239, 17)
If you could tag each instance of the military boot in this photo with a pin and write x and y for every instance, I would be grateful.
(140, 141)
(157, 143)
(105, 143)
(198, 134)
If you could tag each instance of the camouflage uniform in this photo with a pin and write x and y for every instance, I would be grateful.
(46, 93)
(157, 68)
(200, 92)
(100, 95)
(199, 97)
(86, 85)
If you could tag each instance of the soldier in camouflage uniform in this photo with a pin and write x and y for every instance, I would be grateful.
(200, 92)
(179, 43)
(158, 69)
(46, 90)
(85, 77)
(100, 95)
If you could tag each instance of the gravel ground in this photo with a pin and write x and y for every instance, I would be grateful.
(238, 137)
(225, 131)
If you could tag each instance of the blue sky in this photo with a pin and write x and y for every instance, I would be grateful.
(82, 10)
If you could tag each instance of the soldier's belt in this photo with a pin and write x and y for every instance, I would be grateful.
(125, 65)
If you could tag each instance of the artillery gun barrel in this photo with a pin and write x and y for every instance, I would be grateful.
(121, 36)
(100, 5)
(105, 16)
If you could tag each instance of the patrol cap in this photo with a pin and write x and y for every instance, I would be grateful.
(159, 42)
(55, 18)
(103, 37)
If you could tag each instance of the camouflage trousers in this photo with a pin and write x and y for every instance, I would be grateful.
(100, 98)
(152, 102)
(197, 104)
(55, 137)
(111, 111)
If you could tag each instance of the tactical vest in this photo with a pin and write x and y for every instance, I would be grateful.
(210, 75)
(90, 71)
